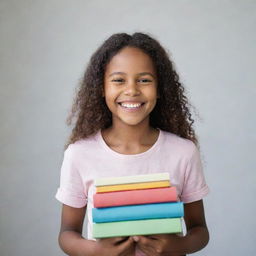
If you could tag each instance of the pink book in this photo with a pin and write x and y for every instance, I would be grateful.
(143, 196)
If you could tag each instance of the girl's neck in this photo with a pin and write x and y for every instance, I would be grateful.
(130, 139)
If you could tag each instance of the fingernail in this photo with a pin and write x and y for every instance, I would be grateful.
(136, 238)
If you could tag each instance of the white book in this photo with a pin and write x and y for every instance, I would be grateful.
(132, 179)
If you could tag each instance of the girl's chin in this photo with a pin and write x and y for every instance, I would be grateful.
(133, 121)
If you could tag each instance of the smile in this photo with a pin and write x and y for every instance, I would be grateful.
(130, 105)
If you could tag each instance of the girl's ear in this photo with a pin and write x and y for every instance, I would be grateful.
(102, 92)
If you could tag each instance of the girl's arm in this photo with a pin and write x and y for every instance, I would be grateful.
(70, 236)
(196, 238)
(197, 232)
(72, 242)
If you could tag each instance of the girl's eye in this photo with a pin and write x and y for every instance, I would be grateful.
(145, 80)
(118, 80)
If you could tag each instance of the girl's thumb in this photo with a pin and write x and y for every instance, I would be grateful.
(135, 238)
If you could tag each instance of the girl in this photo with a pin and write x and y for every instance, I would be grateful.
(132, 117)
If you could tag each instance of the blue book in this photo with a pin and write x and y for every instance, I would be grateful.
(138, 212)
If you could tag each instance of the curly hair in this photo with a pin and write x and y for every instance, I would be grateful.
(172, 110)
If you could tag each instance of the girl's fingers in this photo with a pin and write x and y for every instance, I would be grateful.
(117, 246)
(114, 240)
(148, 245)
(142, 239)
(152, 237)
(147, 250)
(118, 240)
(126, 247)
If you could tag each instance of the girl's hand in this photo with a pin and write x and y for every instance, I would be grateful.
(196, 238)
(117, 246)
(160, 245)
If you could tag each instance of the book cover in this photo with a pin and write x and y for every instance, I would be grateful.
(137, 227)
(138, 212)
(132, 197)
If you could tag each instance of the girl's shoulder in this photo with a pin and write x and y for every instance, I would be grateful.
(174, 138)
(84, 144)
(179, 144)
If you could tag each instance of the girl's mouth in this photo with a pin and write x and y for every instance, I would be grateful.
(129, 105)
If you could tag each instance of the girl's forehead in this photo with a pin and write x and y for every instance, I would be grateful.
(130, 58)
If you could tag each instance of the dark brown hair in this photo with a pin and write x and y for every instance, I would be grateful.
(172, 110)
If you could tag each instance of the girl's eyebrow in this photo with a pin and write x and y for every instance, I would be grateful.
(117, 73)
(146, 73)
(141, 74)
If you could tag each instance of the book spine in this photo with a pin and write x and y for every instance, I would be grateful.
(133, 197)
(138, 212)
(137, 227)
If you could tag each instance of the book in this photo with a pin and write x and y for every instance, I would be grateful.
(137, 227)
(134, 197)
(132, 179)
(122, 187)
(138, 212)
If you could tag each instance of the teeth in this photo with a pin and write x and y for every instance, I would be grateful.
(126, 105)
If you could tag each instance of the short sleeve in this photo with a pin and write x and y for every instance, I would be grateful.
(194, 187)
(71, 189)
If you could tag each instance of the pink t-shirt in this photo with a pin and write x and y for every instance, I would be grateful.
(91, 158)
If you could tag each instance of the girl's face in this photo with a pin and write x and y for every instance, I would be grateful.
(130, 86)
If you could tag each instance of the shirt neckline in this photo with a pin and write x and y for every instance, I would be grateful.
(152, 149)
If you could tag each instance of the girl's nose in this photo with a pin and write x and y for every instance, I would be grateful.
(132, 89)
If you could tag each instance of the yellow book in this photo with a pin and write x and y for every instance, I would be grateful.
(133, 186)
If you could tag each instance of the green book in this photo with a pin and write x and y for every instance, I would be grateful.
(137, 227)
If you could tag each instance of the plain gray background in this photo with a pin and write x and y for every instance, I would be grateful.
(44, 48)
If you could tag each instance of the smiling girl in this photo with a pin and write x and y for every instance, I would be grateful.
(131, 118)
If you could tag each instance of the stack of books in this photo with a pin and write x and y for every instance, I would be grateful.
(136, 205)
